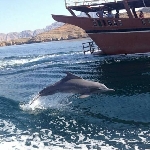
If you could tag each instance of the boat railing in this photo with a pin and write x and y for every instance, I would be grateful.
(93, 2)
(86, 2)
(89, 47)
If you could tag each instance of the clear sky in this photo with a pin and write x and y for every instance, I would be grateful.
(19, 15)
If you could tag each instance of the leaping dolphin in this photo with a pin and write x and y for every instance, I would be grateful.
(73, 84)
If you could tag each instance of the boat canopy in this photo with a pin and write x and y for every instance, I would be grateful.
(93, 5)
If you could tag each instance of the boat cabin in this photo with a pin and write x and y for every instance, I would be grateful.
(88, 6)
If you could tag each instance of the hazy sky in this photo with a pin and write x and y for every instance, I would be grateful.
(19, 15)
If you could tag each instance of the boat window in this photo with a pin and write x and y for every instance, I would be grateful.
(104, 22)
(143, 21)
(115, 23)
(120, 22)
(99, 23)
(109, 22)
(94, 22)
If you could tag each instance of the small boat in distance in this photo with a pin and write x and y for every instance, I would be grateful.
(113, 34)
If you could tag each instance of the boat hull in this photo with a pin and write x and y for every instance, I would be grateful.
(123, 36)
(122, 43)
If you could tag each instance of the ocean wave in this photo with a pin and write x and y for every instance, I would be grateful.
(12, 62)
(45, 139)
(68, 133)
(118, 120)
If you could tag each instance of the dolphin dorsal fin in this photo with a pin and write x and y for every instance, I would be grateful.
(71, 76)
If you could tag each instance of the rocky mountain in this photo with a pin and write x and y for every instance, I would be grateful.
(53, 26)
(28, 33)
(2, 37)
(65, 32)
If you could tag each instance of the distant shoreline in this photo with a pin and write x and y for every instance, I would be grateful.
(29, 41)
(65, 32)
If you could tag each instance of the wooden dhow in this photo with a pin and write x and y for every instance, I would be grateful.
(113, 34)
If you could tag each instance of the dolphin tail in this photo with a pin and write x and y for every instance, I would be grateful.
(35, 98)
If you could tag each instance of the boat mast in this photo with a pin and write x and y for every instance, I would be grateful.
(127, 8)
(69, 9)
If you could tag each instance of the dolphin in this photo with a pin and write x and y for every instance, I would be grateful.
(73, 84)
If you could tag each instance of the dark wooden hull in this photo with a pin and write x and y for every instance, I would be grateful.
(122, 43)
(114, 36)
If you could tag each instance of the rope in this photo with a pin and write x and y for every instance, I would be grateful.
(144, 3)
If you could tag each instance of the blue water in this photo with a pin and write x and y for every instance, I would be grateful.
(116, 120)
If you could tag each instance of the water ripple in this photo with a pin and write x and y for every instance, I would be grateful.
(118, 120)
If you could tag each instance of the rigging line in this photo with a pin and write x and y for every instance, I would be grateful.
(144, 3)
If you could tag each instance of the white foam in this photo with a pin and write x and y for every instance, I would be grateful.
(56, 101)
(13, 138)
(33, 108)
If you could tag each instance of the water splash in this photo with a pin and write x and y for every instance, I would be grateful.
(34, 99)
(38, 104)
(33, 108)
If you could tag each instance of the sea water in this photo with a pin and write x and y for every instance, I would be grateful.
(114, 120)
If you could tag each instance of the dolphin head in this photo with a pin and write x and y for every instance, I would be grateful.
(110, 90)
(105, 89)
